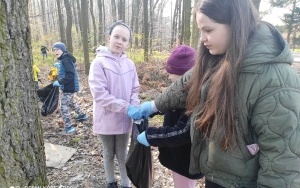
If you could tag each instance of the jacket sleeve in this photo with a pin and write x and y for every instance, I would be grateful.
(170, 136)
(175, 95)
(134, 99)
(69, 71)
(276, 121)
(98, 86)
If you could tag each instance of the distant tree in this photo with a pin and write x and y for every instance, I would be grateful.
(60, 20)
(290, 19)
(121, 10)
(136, 24)
(113, 10)
(22, 155)
(85, 41)
(152, 22)
(69, 26)
(186, 21)
(101, 22)
(44, 21)
(146, 30)
(94, 23)
(195, 30)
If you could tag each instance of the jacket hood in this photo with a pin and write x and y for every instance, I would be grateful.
(69, 56)
(103, 51)
(266, 45)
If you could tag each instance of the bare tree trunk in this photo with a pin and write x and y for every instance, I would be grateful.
(79, 15)
(44, 22)
(121, 10)
(61, 23)
(146, 30)
(101, 22)
(94, 23)
(22, 154)
(76, 21)
(195, 31)
(69, 26)
(113, 10)
(85, 21)
(136, 29)
(186, 22)
(175, 23)
(152, 21)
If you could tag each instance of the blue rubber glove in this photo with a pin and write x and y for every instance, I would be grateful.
(141, 138)
(56, 83)
(57, 65)
(146, 109)
(134, 112)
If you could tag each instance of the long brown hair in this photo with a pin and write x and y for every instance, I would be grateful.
(213, 85)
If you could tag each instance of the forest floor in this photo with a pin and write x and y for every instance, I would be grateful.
(85, 168)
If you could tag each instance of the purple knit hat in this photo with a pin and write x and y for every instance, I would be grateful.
(181, 60)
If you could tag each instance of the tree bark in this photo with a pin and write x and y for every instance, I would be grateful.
(101, 22)
(146, 30)
(136, 28)
(186, 22)
(69, 26)
(94, 23)
(61, 23)
(195, 31)
(113, 10)
(44, 22)
(22, 155)
(85, 42)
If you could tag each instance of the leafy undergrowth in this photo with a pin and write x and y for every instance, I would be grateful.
(85, 168)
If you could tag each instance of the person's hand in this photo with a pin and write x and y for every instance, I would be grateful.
(56, 65)
(141, 138)
(56, 84)
(134, 112)
(146, 109)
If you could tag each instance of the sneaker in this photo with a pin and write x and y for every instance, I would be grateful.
(82, 117)
(69, 130)
(112, 185)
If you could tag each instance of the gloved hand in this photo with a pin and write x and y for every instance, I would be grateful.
(141, 138)
(146, 109)
(56, 83)
(134, 112)
(57, 65)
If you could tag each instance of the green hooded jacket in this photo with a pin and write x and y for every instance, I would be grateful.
(267, 114)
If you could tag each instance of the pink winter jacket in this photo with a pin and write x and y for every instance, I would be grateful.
(114, 86)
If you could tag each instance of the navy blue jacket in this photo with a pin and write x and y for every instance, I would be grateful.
(173, 142)
(68, 76)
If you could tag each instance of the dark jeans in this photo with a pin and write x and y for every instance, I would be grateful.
(209, 184)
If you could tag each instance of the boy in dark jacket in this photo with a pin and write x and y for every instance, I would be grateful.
(69, 83)
(173, 139)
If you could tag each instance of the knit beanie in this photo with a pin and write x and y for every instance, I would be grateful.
(60, 46)
(181, 60)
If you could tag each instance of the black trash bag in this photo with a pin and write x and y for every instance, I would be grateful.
(139, 162)
(49, 95)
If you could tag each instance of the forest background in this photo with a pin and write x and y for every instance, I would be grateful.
(158, 26)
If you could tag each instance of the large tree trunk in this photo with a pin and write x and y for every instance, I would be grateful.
(85, 42)
(69, 26)
(22, 155)
(61, 23)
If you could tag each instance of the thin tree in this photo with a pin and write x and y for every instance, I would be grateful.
(101, 22)
(113, 10)
(121, 10)
(69, 26)
(85, 21)
(146, 30)
(195, 31)
(186, 22)
(44, 22)
(22, 155)
(62, 33)
(94, 23)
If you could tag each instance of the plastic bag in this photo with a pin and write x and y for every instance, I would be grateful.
(139, 162)
(49, 95)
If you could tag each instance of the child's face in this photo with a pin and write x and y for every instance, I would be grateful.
(215, 36)
(58, 52)
(119, 40)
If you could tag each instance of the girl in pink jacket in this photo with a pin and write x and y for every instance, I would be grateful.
(114, 86)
